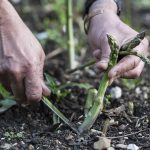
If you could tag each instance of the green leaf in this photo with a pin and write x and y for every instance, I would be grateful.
(4, 92)
(85, 86)
(6, 104)
(131, 83)
(51, 83)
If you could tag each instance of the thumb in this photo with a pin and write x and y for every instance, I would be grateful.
(33, 87)
(105, 51)
(45, 90)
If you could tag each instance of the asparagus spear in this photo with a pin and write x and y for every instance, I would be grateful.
(98, 102)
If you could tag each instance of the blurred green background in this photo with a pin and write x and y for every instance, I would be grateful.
(47, 20)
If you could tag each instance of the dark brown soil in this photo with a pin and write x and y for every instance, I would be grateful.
(38, 132)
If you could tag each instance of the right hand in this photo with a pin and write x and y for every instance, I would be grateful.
(21, 58)
(109, 23)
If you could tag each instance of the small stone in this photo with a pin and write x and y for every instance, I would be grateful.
(121, 146)
(132, 147)
(122, 127)
(110, 148)
(130, 108)
(80, 139)
(138, 91)
(103, 143)
(145, 96)
(31, 147)
(96, 131)
(6, 146)
(116, 92)
(90, 73)
(69, 137)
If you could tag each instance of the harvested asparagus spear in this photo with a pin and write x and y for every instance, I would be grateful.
(115, 52)
(98, 102)
(134, 42)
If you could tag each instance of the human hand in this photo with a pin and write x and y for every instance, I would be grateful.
(21, 58)
(109, 23)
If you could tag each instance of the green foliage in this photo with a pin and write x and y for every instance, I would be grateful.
(131, 83)
(85, 86)
(60, 94)
(6, 104)
(12, 135)
(8, 100)
(58, 113)
(54, 31)
(3, 92)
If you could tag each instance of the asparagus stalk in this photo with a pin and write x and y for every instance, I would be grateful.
(71, 44)
(98, 102)
(90, 63)
(90, 100)
(134, 42)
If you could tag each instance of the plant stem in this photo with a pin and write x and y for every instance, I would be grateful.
(58, 113)
(134, 42)
(98, 102)
(90, 100)
(90, 63)
(97, 107)
(71, 45)
(141, 56)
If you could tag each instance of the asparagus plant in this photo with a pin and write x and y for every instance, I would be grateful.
(98, 102)
(115, 52)
(71, 45)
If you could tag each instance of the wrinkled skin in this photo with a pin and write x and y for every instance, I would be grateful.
(21, 58)
(109, 23)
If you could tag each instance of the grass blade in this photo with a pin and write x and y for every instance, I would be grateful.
(59, 114)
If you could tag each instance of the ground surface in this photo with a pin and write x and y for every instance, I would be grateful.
(31, 127)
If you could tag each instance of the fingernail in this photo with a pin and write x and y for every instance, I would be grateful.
(111, 81)
(102, 65)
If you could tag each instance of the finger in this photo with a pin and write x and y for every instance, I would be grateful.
(135, 73)
(97, 54)
(126, 64)
(33, 86)
(17, 87)
(45, 90)
(105, 54)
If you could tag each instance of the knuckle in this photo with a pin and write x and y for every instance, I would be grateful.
(14, 70)
(34, 97)
(136, 74)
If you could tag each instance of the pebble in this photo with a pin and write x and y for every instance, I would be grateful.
(96, 131)
(31, 147)
(90, 73)
(6, 146)
(121, 146)
(116, 92)
(103, 143)
(110, 148)
(122, 127)
(120, 133)
(69, 137)
(138, 91)
(132, 147)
